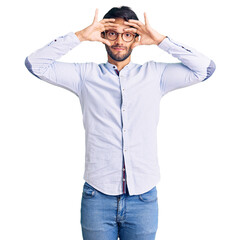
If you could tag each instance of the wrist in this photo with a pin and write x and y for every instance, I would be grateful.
(80, 36)
(160, 39)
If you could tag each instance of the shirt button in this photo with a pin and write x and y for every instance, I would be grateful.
(123, 89)
(125, 150)
(123, 109)
(124, 130)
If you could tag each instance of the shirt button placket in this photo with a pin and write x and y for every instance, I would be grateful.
(121, 80)
(124, 128)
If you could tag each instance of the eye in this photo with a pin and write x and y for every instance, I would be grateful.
(111, 33)
(128, 35)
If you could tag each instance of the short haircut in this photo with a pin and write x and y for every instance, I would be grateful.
(123, 12)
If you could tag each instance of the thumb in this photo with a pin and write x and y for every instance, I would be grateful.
(135, 45)
(105, 41)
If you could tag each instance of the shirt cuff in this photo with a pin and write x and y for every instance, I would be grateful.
(74, 38)
(168, 43)
(165, 44)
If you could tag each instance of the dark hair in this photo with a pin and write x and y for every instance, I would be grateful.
(123, 12)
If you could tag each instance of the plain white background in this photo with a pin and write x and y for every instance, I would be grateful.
(42, 143)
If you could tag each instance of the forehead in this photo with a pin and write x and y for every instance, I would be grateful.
(121, 26)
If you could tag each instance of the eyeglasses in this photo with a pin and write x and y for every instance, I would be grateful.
(126, 36)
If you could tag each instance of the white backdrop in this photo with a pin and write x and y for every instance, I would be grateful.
(42, 143)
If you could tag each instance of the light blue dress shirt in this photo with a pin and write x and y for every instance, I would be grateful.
(120, 113)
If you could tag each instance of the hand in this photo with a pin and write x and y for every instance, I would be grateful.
(148, 35)
(93, 32)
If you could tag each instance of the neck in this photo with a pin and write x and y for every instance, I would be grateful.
(120, 65)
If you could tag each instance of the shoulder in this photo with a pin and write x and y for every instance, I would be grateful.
(155, 66)
(86, 66)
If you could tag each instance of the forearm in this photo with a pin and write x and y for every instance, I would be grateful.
(202, 66)
(42, 64)
(38, 61)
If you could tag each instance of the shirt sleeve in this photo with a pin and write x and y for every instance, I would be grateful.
(42, 64)
(193, 67)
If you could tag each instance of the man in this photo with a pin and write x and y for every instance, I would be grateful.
(120, 105)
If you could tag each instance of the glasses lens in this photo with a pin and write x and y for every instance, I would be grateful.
(111, 35)
(127, 37)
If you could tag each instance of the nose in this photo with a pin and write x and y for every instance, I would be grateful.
(119, 39)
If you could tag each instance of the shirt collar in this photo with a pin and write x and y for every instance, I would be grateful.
(112, 67)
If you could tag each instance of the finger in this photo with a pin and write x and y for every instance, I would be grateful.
(110, 28)
(130, 30)
(146, 19)
(135, 21)
(111, 24)
(96, 15)
(105, 41)
(132, 24)
(107, 20)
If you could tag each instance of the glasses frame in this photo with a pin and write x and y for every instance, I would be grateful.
(134, 35)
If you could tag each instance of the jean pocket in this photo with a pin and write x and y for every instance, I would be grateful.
(149, 196)
(88, 191)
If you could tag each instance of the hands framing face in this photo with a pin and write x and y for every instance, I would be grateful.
(147, 34)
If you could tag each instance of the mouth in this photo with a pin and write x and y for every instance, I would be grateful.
(118, 48)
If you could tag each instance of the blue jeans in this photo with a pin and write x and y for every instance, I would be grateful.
(108, 217)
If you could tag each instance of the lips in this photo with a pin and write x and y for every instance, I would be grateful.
(118, 48)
